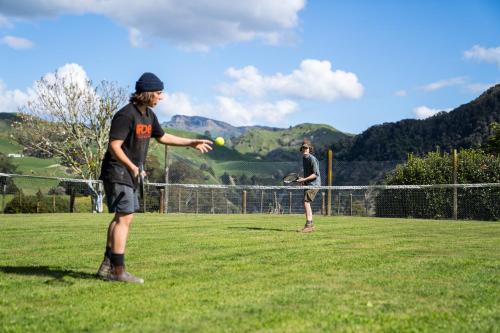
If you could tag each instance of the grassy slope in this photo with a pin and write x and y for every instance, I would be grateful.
(262, 141)
(247, 273)
(221, 159)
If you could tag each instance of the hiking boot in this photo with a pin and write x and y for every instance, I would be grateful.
(309, 227)
(105, 268)
(118, 273)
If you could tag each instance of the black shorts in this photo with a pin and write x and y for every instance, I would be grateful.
(121, 198)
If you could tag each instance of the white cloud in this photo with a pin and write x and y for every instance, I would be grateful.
(195, 24)
(12, 100)
(69, 74)
(401, 93)
(239, 114)
(4, 22)
(17, 43)
(423, 112)
(455, 81)
(490, 55)
(136, 39)
(313, 80)
(227, 109)
(179, 103)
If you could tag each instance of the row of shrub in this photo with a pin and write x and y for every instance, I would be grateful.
(474, 166)
(39, 203)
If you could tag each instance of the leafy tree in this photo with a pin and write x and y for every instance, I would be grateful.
(183, 172)
(6, 165)
(69, 118)
(154, 170)
(493, 145)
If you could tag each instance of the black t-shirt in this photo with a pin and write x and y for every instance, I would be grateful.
(136, 129)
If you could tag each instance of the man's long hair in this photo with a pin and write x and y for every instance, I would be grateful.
(143, 98)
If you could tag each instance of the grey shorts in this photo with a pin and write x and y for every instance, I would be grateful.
(121, 198)
(309, 195)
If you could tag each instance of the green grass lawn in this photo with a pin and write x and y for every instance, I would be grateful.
(251, 273)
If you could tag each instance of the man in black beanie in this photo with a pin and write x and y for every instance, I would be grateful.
(131, 129)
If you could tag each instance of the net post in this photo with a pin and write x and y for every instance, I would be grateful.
(290, 203)
(329, 182)
(455, 189)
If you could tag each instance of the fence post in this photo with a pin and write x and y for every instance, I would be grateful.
(212, 197)
(54, 202)
(338, 204)
(455, 189)
(162, 198)
(329, 181)
(244, 202)
(323, 203)
(166, 180)
(261, 201)
(72, 200)
(179, 195)
(276, 204)
(197, 201)
(350, 204)
(4, 192)
(366, 203)
(290, 204)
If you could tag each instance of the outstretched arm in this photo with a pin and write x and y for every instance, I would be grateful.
(172, 140)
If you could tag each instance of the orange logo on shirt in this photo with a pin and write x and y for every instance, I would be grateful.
(143, 131)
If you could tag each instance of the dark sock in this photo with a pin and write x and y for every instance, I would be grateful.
(309, 222)
(118, 259)
(107, 254)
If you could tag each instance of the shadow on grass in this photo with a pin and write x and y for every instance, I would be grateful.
(55, 273)
(261, 229)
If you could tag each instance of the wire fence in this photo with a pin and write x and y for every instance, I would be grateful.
(183, 170)
(30, 194)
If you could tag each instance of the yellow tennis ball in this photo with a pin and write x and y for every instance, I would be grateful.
(219, 141)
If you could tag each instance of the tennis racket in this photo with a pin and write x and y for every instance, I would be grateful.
(291, 178)
(142, 186)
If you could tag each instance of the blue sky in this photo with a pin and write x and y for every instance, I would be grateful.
(349, 64)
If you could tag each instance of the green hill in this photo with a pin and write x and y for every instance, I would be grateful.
(275, 144)
(464, 127)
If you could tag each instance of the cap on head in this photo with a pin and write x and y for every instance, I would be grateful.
(148, 82)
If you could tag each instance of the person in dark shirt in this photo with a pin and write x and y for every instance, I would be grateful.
(131, 129)
(311, 177)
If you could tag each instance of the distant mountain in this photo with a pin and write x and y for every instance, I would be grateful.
(464, 127)
(214, 128)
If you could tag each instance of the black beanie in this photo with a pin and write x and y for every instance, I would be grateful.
(148, 82)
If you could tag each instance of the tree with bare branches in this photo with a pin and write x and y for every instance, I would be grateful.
(69, 118)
